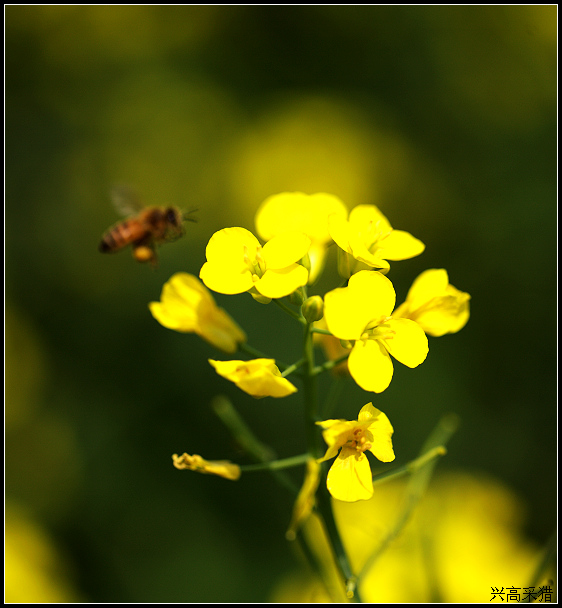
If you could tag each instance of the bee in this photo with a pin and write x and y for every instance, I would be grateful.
(144, 229)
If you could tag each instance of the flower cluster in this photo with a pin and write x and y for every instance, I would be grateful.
(358, 323)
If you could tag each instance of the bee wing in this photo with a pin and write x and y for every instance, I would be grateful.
(126, 199)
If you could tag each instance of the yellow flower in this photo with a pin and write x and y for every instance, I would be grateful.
(306, 213)
(361, 312)
(439, 308)
(258, 377)
(350, 478)
(369, 238)
(222, 468)
(236, 262)
(186, 305)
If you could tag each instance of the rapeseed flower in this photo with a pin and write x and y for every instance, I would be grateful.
(222, 468)
(360, 314)
(236, 262)
(349, 478)
(308, 213)
(368, 237)
(258, 377)
(435, 305)
(186, 305)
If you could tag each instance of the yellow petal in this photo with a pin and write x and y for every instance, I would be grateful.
(228, 280)
(368, 220)
(439, 308)
(285, 249)
(349, 478)
(368, 412)
(280, 283)
(187, 306)
(335, 434)
(399, 245)
(428, 284)
(298, 211)
(381, 432)
(230, 245)
(408, 343)
(258, 377)
(348, 310)
(370, 365)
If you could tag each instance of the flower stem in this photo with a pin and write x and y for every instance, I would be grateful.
(323, 499)
(276, 465)
(290, 312)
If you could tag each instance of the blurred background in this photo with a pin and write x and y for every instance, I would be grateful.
(444, 117)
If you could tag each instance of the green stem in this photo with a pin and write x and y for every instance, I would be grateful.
(224, 409)
(410, 467)
(276, 465)
(323, 499)
(329, 364)
(291, 368)
(290, 312)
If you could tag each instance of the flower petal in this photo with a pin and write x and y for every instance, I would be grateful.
(280, 283)
(258, 377)
(381, 437)
(350, 478)
(368, 220)
(399, 245)
(285, 249)
(370, 365)
(428, 285)
(298, 211)
(226, 280)
(187, 306)
(335, 434)
(348, 310)
(230, 245)
(409, 342)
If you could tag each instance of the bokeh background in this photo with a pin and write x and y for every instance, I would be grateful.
(444, 117)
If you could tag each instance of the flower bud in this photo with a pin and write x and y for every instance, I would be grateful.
(313, 309)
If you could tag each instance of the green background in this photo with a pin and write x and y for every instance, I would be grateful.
(444, 117)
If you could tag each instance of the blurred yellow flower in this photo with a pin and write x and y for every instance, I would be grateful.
(361, 312)
(35, 572)
(435, 305)
(236, 262)
(350, 478)
(222, 468)
(258, 377)
(186, 305)
(464, 539)
(368, 237)
(307, 213)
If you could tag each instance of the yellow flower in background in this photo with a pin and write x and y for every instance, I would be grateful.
(258, 377)
(465, 537)
(350, 478)
(361, 313)
(438, 307)
(236, 262)
(222, 468)
(368, 237)
(307, 213)
(186, 305)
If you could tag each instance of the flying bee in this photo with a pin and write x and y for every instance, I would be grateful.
(144, 229)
